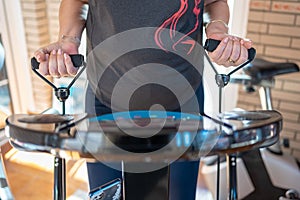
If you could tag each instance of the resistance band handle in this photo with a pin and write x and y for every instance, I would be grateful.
(77, 60)
(211, 44)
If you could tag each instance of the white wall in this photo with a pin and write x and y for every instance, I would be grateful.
(12, 32)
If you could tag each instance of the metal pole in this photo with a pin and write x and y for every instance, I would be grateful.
(59, 179)
(232, 176)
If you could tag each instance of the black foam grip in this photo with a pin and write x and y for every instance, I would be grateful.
(211, 44)
(77, 60)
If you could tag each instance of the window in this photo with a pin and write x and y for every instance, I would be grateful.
(5, 100)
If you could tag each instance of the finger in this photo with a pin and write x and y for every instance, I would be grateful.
(53, 64)
(236, 49)
(69, 65)
(61, 64)
(246, 43)
(243, 56)
(217, 53)
(40, 55)
(43, 67)
(227, 53)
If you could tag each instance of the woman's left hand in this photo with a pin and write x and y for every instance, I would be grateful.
(232, 50)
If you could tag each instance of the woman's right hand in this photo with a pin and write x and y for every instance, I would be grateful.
(54, 59)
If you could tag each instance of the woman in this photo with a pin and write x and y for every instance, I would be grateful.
(176, 27)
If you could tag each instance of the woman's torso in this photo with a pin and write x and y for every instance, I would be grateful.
(138, 34)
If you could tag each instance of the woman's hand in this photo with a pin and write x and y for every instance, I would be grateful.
(54, 59)
(232, 51)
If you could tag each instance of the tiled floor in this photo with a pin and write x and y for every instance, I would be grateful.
(30, 177)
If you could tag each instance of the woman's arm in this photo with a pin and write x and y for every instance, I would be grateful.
(218, 12)
(232, 51)
(71, 18)
(54, 59)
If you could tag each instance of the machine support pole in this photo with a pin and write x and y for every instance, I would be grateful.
(232, 176)
(59, 192)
